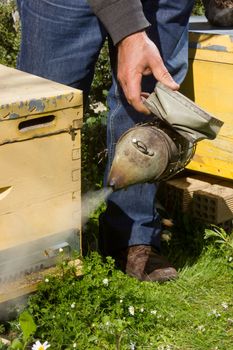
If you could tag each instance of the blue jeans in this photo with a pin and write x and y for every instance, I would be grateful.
(61, 41)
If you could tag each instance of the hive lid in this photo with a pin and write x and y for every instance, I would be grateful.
(210, 43)
(24, 94)
(200, 24)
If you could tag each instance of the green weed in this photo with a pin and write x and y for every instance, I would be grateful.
(220, 237)
(105, 309)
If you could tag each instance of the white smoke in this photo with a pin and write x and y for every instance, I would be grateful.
(91, 201)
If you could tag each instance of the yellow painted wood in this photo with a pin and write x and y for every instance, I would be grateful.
(209, 83)
(25, 94)
(40, 160)
(44, 175)
(25, 128)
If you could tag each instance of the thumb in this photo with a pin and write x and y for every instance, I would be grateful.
(163, 76)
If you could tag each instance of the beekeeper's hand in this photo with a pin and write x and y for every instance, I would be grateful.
(138, 56)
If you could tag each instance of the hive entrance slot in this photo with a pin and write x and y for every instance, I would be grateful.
(36, 123)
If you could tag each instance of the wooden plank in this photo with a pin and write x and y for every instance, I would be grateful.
(26, 94)
(29, 283)
(43, 124)
(209, 83)
(42, 182)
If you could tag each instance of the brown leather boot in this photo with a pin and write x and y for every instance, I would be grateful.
(144, 263)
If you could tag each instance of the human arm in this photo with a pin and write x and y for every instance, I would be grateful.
(137, 54)
(120, 17)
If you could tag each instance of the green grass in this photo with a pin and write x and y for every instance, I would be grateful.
(106, 309)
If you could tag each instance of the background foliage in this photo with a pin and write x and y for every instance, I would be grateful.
(9, 33)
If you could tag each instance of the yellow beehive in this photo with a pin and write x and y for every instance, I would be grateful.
(210, 84)
(40, 184)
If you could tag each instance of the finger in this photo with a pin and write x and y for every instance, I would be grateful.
(161, 74)
(133, 94)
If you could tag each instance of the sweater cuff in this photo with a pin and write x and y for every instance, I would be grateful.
(121, 18)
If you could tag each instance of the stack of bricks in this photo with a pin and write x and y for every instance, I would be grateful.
(205, 198)
(176, 195)
(214, 204)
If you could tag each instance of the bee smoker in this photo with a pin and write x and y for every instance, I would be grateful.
(160, 149)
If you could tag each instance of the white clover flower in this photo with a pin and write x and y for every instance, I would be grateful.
(60, 250)
(224, 305)
(142, 309)
(98, 107)
(121, 301)
(105, 282)
(215, 313)
(153, 312)
(201, 328)
(132, 346)
(74, 345)
(46, 280)
(164, 347)
(72, 305)
(131, 310)
(39, 346)
(67, 313)
(230, 258)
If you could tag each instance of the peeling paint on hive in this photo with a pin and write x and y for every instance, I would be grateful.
(213, 42)
(195, 45)
(13, 116)
(36, 95)
(37, 105)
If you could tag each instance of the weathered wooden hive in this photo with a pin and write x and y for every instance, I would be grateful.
(40, 183)
(209, 83)
(206, 190)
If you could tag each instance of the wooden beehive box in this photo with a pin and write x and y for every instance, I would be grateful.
(40, 183)
(209, 83)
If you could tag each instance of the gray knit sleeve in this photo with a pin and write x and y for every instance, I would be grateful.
(120, 17)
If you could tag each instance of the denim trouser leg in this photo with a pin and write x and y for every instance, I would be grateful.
(61, 40)
(131, 217)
